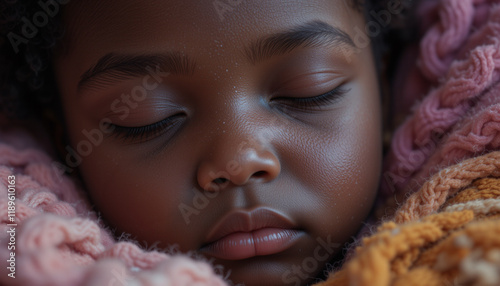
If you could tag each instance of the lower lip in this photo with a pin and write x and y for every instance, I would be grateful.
(241, 245)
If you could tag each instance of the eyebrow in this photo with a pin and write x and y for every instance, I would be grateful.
(312, 34)
(115, 67)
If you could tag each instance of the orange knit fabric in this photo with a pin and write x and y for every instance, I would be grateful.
(447, 233)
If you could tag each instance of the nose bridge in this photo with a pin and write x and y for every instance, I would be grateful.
(237, 154)
(238, 134)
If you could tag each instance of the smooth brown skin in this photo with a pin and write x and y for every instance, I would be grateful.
(320, 168)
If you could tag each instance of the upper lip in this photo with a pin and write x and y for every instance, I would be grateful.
(244, 221)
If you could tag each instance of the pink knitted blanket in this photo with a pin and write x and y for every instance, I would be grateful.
(49, 234)
(456, 79)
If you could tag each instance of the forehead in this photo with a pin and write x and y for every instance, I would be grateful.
(131, 24)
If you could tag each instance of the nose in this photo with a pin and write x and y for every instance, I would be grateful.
(248, 161)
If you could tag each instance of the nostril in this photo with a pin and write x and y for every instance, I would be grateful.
(219, 181)
(259, 174)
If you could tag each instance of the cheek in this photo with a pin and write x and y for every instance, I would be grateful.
(140, 196)
(340, 165)
(358, 155)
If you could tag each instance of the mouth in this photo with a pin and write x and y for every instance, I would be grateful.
(240, 235)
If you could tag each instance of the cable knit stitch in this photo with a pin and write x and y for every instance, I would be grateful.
(463, 83)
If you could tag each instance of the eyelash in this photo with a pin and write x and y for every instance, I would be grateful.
(144, 133)
(314, 103)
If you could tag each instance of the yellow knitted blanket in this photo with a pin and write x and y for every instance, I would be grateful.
(447, 233)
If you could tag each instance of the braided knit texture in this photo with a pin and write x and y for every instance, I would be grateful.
(439, 236)
(59, 240)
(459, 117)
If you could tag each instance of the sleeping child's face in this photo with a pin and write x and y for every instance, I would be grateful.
(247, 131)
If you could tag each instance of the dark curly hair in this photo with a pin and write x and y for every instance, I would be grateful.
(28, 32)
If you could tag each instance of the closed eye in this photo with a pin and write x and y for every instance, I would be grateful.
(310, 104)
(141, 134)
